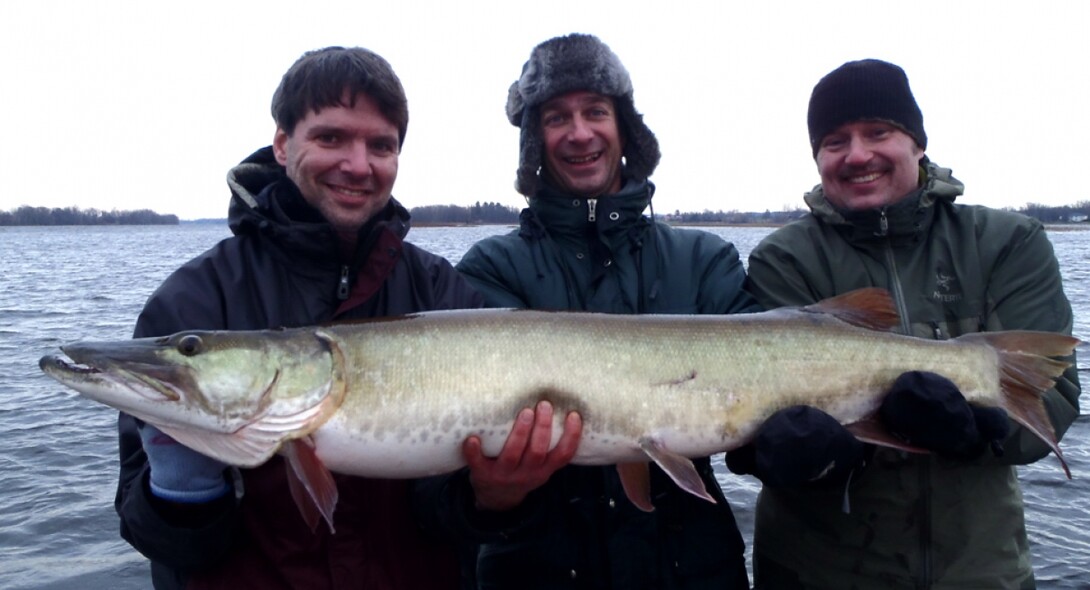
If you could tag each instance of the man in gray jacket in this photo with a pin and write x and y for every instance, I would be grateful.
(884, 215)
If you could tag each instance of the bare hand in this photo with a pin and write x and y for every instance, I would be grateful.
(525, 463)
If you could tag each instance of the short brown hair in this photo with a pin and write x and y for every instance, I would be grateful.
(322, 77)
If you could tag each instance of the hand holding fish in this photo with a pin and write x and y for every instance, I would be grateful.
(928, 410)
(796, 446)
(525, 463)
(179, 474)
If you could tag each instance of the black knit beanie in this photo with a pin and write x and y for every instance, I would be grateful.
(861, 90)
(566, 64)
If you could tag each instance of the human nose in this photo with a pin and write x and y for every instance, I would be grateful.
(580, 130)
(858, 151)
(356, 160)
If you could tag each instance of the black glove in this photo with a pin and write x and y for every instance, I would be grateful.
(798, 445)
(928, 410)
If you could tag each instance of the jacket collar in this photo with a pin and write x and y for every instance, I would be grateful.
(563, 213)
(264, 201)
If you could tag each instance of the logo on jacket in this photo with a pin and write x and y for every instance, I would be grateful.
(947, 289)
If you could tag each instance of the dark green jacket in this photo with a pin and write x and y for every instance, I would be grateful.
(916, 521)
(579, 530)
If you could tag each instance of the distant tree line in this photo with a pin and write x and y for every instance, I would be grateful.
(478, 214)
(734, 217)
(75, 216)
(488, 213)
(1077, 213)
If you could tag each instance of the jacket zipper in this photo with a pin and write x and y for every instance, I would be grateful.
(924, 575)
(343, 288)
(592, 204)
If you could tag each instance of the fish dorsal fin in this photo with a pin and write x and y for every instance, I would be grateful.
(870, 308)
(636, 481)
(311, 484)
(678, 467)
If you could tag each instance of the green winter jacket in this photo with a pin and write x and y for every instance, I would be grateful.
(579, 530)
(916, 521)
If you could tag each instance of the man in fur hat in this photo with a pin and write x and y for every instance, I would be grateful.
(584, 244)
(834, 513)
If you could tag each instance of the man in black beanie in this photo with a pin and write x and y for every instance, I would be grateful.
(834, 513)
(584, 244)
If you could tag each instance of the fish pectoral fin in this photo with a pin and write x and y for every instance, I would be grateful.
(229, 448)
(311, 484)
(871, 430)
(678, 467)
(636, 481)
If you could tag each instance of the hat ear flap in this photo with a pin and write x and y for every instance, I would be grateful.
(641, 147)
(530, 149)
(515, 104)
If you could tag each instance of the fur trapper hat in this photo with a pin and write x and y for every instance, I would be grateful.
(868, 89)
(566, 64)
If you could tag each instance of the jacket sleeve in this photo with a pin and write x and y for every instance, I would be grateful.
(1025, 292)
(774, 277)
(720, 290)
(485, 275)
(445, 505)
(201, 536)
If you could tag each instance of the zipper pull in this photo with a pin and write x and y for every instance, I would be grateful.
(591, 204)
(883, 223)
(342, 286)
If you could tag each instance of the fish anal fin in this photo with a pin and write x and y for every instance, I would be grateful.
(870, 308)
(871, 430)
(678, 467)
(312, 486)
(636, 481)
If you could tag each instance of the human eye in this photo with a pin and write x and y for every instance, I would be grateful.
(327, 138)
(384, 147)
(599, 113)
(551, 118)
(833, 142)
(880, 132)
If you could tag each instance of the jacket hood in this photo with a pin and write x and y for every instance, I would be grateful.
(264, 201)
(905, 217)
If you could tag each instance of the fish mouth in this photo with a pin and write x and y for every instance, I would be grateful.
(150, 380)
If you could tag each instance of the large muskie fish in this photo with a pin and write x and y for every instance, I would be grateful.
(395, 398)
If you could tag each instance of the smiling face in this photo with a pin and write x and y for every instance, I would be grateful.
(868, 164)
(344, 161)
(583, 145)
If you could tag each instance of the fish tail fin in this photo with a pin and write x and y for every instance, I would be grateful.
(1027, 370)
(870, 308)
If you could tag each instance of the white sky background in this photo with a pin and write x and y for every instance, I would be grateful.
(133, 105)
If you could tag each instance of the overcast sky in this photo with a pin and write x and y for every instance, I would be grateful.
(133, 105)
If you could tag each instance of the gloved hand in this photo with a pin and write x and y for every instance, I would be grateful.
(927, 410)
(178, 473)
(798, 445)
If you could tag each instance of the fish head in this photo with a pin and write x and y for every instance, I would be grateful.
(213, 381)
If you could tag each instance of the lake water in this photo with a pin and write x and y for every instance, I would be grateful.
(58, 529)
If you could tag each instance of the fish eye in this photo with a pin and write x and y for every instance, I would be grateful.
(190, 345)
